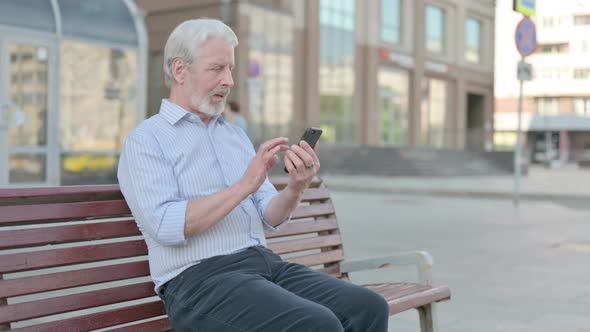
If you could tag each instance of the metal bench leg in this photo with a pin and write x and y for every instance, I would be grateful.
(427, 315)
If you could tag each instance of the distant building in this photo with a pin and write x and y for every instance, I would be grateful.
(415, 73)
(556, 107)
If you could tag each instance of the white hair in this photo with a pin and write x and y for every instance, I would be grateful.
(185, 42)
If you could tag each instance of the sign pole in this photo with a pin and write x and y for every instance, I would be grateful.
(518, 150)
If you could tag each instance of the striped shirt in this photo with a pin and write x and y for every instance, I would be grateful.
(173, 157)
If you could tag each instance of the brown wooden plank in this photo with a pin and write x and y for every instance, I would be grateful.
(416, 300)
(159, 325)
(281, 182)
(43, 213)
(304, 227)
(68, 279)
(59, 257)
(315, 194)
(397, 290)
(317, 259)
(61, 190)
(310, 211)
(101, 319)
(69, 233)
(316, 242)
(57, 305)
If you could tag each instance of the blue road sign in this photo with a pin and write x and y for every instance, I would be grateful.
(526, 37)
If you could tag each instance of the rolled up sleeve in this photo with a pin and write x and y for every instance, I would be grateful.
(147, 181)
(262, 198)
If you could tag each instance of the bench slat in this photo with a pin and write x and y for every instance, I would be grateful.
(59, 257)
(317, 242)
(315, 194)
(43, 213)
(68, 279)
(404, 298)
(101, 319)
(61, 304)
(160, 325)
(28, 193)
(311, 211)
(318, 259)
(281, 182)
(64, 234)
(304, 227)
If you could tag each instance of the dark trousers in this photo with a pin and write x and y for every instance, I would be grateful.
(255, 290)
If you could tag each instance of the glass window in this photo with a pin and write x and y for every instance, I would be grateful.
(548, 106)
(28, 95)
(582, 106)
(433, 112)
(581, 73)
(270, 77)
(27, 168)
(31, 14)
(393, 106)
(435, 29)
(105, 20)
(582, 20)
(472, 40)
(391, 21)
(98, 107)
(337, 43)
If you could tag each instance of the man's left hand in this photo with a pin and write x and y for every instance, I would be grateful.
(303, 164)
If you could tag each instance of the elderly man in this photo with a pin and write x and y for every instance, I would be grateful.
(200, 195)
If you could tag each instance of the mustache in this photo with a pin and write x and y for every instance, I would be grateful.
(220, 91)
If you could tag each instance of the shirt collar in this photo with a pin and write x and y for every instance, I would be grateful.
(174, 113)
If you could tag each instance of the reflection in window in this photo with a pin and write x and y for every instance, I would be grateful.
(27, 168)
(393, 98)
(98, 104)
(472, 40)
(582, 106)
(391, 21)
(433, 112)
(270, 79)
(548, 106)
(337, 69)
(435, 29)
(28, 95)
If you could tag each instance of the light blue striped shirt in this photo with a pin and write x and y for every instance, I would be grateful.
(172, 158)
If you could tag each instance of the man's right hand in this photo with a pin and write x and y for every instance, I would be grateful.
(265, 159)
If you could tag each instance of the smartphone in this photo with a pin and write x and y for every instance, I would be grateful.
(311, 136)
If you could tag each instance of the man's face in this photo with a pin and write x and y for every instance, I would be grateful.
(210, 77)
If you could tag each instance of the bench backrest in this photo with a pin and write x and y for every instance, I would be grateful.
(72, 258)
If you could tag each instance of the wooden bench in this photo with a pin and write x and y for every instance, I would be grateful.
(72, 259)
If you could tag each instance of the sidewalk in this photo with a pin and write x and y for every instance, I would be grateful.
(568, 182)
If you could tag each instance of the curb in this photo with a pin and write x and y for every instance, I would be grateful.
(458, 193)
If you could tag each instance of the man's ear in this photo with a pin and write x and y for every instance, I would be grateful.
(178, 70)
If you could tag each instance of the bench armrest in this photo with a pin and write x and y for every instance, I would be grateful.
(421, 259)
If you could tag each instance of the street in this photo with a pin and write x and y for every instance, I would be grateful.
(508, 270)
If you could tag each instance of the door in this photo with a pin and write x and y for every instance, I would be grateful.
(27, 139)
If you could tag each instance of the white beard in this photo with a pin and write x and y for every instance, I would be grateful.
(206, 107)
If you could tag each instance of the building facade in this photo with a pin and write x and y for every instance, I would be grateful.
(556, 104)
(415, 73)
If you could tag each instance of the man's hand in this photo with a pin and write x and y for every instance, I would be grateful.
(266, 158)
(303, 164)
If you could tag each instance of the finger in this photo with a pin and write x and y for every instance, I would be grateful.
(312, 152)
(272, 143)
(297, 162)
(289, 165)
(267, 156)
(303, 154)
